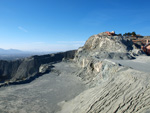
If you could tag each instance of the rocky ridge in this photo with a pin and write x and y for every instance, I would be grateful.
(26, 70)
(112, 86)
(92, 56)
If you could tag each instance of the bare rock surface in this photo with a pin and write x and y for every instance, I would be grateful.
(91, 57)
(118, 83)
(27, 68)
(107, 75)
(43, 94)
(125, 91)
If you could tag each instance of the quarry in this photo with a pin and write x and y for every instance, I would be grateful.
(109, 74)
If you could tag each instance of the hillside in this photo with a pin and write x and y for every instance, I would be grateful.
(29, 68)
(108, 74)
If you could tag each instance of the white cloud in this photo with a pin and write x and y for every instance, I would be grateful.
(22, 29)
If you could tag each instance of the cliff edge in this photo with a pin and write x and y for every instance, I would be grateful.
(26, 70)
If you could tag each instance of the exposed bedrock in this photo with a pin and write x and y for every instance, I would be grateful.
(114, 88)
(126, 91)
(92, 56)
(29, 67)
(110, 47)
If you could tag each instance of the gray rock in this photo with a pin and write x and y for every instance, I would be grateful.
(115, 83)
(24, 69)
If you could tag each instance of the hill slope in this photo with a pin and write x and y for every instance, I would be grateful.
(109, 66)
(115, 86)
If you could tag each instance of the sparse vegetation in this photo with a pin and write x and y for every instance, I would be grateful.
(130, 34)
(133, 33)
(119, 34)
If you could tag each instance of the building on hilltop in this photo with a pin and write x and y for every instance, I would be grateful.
(110, 33)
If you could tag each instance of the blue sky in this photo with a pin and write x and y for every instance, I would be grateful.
(59, 25)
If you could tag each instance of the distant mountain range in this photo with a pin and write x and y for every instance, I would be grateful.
(16, 51)
(13, 54)
(10, 51)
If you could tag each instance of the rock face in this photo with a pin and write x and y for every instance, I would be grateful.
(110, 47)
(108, 43)
(8, 69)
(99, 47)
(114, 88)
(29, 67)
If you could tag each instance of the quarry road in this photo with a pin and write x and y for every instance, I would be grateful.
(43, 94)
(141, 63)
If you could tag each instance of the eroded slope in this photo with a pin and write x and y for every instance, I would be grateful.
(115, 87)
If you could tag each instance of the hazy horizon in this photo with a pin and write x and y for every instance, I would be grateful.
(38, 51)
(60, 25)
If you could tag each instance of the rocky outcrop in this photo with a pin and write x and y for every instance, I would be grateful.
(114, 88)
(108, 43)
(21, 70)
(91, 57)
(104, 46)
